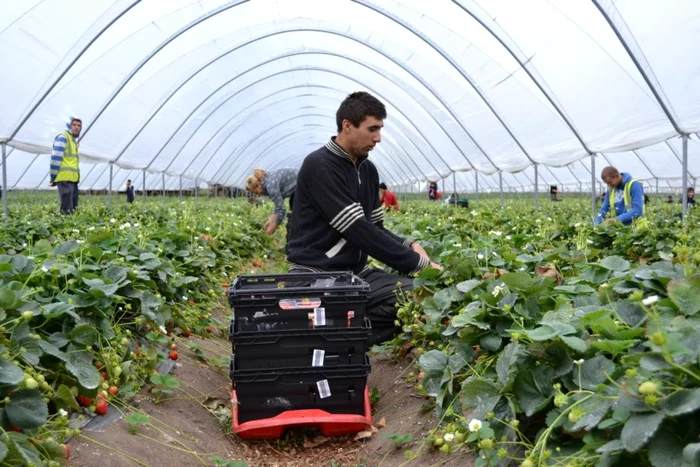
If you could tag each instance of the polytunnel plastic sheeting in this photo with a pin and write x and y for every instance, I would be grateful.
(577, 56)
(411, 143)
(136, 176)
(405, 112)
(667, 54)
(21, 172)
(311, 55)
(123, 54)
(472, 97)
(278, 156)
(216, 131)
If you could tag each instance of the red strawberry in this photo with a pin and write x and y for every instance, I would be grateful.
(173, 355)
(113, 390)
(67, 449)
(101, 407)
(84, 400)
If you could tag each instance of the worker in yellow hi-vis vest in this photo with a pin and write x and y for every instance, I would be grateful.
(625, 195)
(65, 169)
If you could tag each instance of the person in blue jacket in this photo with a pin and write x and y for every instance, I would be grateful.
(627, 196)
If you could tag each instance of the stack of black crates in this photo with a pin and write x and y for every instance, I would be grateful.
(299, 348)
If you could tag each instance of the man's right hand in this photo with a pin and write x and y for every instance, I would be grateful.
(52, 183)
(436, 266)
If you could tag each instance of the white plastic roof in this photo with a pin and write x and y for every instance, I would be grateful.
(208, 90)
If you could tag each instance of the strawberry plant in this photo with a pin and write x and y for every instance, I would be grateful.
(78, 295)
(577, 345)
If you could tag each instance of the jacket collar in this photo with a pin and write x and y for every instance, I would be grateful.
(625, 179)
(336, 149)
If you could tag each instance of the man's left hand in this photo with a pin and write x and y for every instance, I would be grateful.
(612, 219)
(415, 246)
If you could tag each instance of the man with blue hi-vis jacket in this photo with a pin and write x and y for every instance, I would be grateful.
(65, 169)
(625, 195)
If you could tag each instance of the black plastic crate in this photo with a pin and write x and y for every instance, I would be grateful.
(298, 301)
(299, 347)
(265, 394)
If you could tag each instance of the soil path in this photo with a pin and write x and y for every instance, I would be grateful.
(192, 426)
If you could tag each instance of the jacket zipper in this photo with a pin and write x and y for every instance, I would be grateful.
(359, 184)
(357, 169)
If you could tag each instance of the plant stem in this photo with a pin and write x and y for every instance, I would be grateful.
(113, 449)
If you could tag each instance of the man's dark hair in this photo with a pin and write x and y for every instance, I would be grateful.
(690, 188)
(383, 186)
(129, 180)
(358, 106)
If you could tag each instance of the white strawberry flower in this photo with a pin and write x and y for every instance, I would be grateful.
(497, 290)
(475, 425)
(650, 300)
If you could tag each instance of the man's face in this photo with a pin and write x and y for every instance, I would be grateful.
(128, 183)
(75, 127)
(363, 138)
(691, 194)
(613, 181)
(382, 191)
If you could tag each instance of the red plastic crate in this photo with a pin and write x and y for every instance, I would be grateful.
(329, 424)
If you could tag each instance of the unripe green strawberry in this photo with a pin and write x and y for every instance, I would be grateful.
(648, 387)
(31, 383)
(658, 338)
(560, 400)
(486, 443)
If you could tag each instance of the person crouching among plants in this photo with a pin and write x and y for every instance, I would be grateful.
(625, 195)
(278, 185)
(691, 197)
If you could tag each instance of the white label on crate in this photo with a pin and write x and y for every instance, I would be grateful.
(323, 389)
(319, 316)
(317, 359)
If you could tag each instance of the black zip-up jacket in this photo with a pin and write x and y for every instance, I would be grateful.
(337, 220)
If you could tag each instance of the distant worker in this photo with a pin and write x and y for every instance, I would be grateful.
(433, 191)
(278, 185)
(129, 192)
(65, 169)
(691, 197)
(455, 200)
(627, 197)
(669, 200)
(387, 198)
(553, 192)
